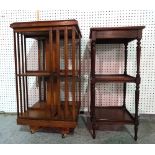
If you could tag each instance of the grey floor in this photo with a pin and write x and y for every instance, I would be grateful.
(12, 133)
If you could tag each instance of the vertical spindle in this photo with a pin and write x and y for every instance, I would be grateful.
(26, 82)
(23, 71)
(58, 71)
(73, 72)
(66, 70)
(16, 77)
(19, 70)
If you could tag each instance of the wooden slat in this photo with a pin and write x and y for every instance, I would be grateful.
(73, 73)
(66, 70)
(39, 68)
(50, 94)
(54, 79)
(80, 71)
(23, 70)
(76, 70)
(48, 56)
(19, 70)
(58, 71)
(125, 72)
(44, 68)
(26, 88)
(15, 58)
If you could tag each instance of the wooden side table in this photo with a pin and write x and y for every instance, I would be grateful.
(115, 114)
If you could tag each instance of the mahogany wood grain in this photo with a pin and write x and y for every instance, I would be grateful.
(26, 81)
(50, 110)
(73, 73)
(16, 78)
(66, 70)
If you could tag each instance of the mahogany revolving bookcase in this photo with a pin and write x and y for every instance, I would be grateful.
(115, 114)
(58, 74)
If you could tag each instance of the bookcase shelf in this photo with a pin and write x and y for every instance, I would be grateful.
(54, 108)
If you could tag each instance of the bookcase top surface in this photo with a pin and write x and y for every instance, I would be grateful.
(44, 24)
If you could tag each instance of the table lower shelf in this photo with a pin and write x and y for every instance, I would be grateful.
(111, 115)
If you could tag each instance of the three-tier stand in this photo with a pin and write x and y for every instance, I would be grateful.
(115, 114)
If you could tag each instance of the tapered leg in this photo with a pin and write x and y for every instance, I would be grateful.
(136, 110)
(125, 72)
(94, 132)
(136, 131)
(93, 109)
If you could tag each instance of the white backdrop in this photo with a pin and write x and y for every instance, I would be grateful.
(106, 94)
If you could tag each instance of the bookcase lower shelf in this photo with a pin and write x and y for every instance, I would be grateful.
(40, 116)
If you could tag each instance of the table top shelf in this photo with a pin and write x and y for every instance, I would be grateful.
(115, 35)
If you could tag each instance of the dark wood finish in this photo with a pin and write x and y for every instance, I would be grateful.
(125, 72)
(115, 34)
(114, 78)
(50, 110)
(110, 35)
(113, 115)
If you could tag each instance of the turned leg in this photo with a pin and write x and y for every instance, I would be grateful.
(92, 117)
(137, 88)
(136, 111)
(125, 72)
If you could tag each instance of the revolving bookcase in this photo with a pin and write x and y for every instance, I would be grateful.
(57, 76)
(115, 114)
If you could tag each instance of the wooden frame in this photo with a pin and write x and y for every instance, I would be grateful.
(117, 115)
(50, 110)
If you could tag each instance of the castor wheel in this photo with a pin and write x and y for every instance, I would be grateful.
(34, 129)
(32, 132)
(64, 135)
